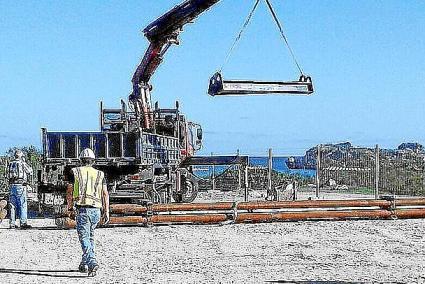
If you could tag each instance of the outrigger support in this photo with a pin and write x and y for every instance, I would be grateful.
(220, 87)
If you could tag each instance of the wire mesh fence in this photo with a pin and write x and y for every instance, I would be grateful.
(347, 170)
(331, 171)
(370, 172)
(402, 173)
(258, 180)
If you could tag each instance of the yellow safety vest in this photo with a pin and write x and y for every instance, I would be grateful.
(88, 186)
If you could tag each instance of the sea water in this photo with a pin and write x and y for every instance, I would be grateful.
(279, 165)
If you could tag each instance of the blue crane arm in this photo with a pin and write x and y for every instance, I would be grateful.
(162, 33)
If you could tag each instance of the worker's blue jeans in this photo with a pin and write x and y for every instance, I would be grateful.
(87, 219)
(18, 203)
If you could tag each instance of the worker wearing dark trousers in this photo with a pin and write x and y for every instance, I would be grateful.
(89, 195)
(19, 173)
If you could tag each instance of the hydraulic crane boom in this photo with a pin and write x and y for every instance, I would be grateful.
(161, 33)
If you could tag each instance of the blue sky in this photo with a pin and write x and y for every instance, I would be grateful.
(58, 59)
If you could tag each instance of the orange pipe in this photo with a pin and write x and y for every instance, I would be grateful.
(313, 204)
(68, 223)
(192, 207)
(410, 213)
(312, 215)
(132, 208)
(410, 202)
(199, 219)
(258, 217)
(127, 208)
(253, 205)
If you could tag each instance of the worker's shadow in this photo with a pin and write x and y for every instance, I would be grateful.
(49, 273)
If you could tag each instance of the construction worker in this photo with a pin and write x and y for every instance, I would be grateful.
(19, 173)
(89, 195)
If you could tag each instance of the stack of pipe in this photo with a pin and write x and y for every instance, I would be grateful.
(260, 212)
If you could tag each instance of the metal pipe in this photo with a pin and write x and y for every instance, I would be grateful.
(312, 215)
(192, 207)
(68, 223)
(313, 204)
(138, 209)
(253, 205)
(127, 208)
(196, 219)
(376, 171)
(410, 202)
(410, 213)
(319, 148)
(269, 173)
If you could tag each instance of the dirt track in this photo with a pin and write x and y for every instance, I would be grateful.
(351, 251)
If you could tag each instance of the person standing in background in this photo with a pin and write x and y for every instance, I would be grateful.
(19, 174)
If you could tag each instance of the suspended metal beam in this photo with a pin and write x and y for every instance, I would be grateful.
(220, 87)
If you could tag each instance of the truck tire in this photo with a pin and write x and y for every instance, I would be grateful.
(189, 191)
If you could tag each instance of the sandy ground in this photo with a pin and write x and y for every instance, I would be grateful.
(391, 251)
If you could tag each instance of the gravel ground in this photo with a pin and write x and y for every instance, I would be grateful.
(390, 251)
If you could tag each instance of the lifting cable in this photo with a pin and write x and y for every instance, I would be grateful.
(229, 53)
(246, 24)
(283, 35)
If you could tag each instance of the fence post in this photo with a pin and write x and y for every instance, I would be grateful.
(319, 149)
(246, 182)
(269, 174)
(213, 175)
(239, 174)
(376, 171)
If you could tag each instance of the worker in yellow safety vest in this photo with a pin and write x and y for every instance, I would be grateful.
(87, 194)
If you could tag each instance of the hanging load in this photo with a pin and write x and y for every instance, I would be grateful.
(221, 87)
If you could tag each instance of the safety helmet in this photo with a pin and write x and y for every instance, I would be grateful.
(19, 154)
(87, 154)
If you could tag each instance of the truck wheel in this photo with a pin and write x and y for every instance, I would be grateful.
(189, 191)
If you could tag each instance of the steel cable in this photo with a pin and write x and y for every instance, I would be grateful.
(248, 19)
(283, 35)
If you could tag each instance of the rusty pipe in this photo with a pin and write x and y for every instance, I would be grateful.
(258, 217)
(312, 215)
(197, 219)
(313, 204)
(192, 207)
(127, 208)
(68, 223)
(410, 213)
(132, 208)
(410, 202)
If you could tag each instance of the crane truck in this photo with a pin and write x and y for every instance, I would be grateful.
(144, 151)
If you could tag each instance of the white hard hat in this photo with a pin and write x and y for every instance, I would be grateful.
(87, 154)
(19, 154)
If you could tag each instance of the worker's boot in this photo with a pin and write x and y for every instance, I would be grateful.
(25, 226)
(83, 268)
(93, 270)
